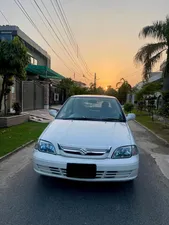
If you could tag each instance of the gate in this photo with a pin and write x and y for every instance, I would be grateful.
(28, 95)
(32, 95)
(39, 96)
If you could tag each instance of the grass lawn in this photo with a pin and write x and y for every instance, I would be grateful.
(13, 137)
(156, 126)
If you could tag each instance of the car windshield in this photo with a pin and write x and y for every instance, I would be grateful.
(92, 108)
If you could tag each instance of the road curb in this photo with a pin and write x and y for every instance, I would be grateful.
(15, 151)
(160, 138)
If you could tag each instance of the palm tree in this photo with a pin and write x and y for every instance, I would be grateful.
(122, 80)
(124, 88)
(123, 83)
(152, 53)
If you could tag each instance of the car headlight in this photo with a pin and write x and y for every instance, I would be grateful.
(45, 146)
(125, 152)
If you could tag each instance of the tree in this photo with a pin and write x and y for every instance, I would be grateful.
(100, 91)
(128, 107)
(148, 89)
(66, 88)
(151, 53)
(13, 61)
(123, 89)
(77, 90)
(111, 91)
(91, 89)
(164, 110)
(148, 94)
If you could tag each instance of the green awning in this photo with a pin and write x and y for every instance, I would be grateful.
(43, 71)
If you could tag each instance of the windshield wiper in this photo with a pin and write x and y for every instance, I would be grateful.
(93, 119)
(113, 119)
(77, 118)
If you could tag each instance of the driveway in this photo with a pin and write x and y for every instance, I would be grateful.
(27, 199)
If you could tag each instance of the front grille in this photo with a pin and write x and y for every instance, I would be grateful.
(84, 152)
(87, 154)
(117, 174)
(99, 174)
(52, 170)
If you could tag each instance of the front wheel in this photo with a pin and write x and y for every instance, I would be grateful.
(131, 182)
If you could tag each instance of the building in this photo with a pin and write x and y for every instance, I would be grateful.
(80, 84)
(153, 76)
(35, 92)
(38, 56)
(162, 66)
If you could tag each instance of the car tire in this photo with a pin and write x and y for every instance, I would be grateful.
(130, 181)
(43, 177)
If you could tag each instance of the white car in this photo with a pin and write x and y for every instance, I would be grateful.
(89, 140)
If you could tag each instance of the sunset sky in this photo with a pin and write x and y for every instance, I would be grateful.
(105, 30)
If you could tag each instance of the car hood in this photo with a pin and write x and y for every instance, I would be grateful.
(88, 133)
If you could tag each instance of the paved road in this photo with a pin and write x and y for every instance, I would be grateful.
(27, 199)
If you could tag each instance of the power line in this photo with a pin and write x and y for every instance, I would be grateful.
(88, 70)
(55, 33)
(34, 25)
(62, 13)
(67, 27)
(69, 32)
(59, 4)
(72, 36)
(63, 27)
(54, 23)
(4, 17)
(133, 74)
(43, 21)
(60, 32)
(37, 29)
(60, 20)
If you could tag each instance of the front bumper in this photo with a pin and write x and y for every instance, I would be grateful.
(107, 169)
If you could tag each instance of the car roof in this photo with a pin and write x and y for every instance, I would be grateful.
(92, 96)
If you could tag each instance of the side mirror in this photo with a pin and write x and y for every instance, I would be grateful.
(53, 112)
(130, 116)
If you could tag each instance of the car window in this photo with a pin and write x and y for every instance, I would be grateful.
(92, 108)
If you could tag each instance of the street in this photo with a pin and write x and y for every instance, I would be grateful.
(28, 199)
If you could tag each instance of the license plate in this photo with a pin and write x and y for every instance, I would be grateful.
(81, 170)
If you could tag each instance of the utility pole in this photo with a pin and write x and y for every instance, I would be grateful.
(95, 81)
